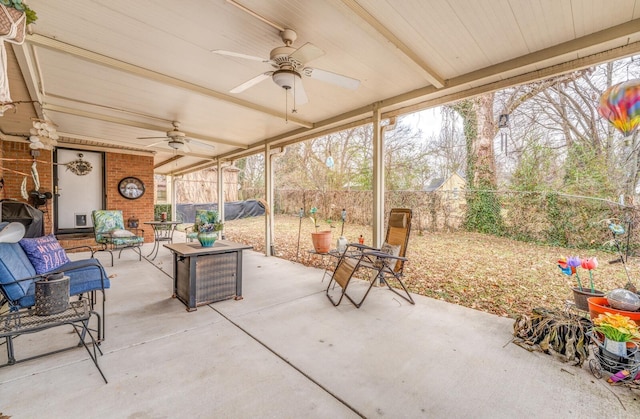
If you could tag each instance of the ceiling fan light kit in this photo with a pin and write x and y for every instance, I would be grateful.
(285, 78)
(175, 144)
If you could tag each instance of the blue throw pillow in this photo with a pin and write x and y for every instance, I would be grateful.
(44, 253)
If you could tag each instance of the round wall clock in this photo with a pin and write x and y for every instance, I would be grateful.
(131, 188)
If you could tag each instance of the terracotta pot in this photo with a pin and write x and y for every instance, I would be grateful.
(321, 241)
(599, 305)
(580, 297)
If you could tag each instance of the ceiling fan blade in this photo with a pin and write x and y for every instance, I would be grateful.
(250, 83)
(240, 55)
(150, 138)
(201, 142)
(333, 78)
(298, 91)
(154, 144)
(306, 53)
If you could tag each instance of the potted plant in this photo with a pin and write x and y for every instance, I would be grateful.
(321, 239)
(617, 330)
(208, 225)
(569, 266)
(14, 17)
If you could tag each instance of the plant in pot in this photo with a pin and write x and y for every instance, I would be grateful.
(14, 16)
(321, 239)
(569, 266)
(208, 225)
(617, 338)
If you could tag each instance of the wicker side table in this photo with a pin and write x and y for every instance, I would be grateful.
(203, 275)
(77, 315)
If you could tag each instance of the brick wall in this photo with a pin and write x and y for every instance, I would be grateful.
(119, 166)
(12, 181)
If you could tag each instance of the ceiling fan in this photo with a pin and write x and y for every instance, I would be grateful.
(176, 139)
(290, 65)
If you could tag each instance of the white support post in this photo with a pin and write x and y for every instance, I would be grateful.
(171, 193)
(378, 180)
(268, 194)
(221, 193)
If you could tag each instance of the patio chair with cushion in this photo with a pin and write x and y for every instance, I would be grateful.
(386, 263)
(108, 228)
(23, 261)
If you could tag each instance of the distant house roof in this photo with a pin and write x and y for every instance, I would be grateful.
(435, 184)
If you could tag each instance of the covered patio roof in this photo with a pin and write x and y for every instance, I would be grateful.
(108, 72)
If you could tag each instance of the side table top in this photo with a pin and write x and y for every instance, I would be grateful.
(195, 249)
(162, 223)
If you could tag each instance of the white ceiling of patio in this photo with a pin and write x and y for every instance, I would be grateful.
(107, 72)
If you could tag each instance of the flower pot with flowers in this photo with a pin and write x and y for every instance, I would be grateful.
(616, 337)
(14, 16)
(208, 225)
(569, 266)
(321, 239)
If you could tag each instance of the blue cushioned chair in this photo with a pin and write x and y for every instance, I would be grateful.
(108, 228)
(18, 278)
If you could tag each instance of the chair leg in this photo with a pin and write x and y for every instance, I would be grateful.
(92, 354)
(345, 274)
(103, 248)
(406, 297)
(335, 304)
(135, 248)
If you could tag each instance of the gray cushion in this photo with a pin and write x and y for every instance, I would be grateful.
(390, 250)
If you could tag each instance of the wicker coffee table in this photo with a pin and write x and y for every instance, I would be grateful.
(203, 275)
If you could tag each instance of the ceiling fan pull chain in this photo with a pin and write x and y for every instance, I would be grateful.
(294, 95)
(286, 107)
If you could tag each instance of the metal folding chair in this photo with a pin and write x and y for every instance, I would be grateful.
(385, 266)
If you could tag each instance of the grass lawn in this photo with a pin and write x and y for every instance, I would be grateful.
(487, 273)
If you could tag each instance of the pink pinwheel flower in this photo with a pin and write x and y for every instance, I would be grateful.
(590, 264)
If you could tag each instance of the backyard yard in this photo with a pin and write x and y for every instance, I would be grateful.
(483, 272)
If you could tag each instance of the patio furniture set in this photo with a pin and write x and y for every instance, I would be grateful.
(201, 275)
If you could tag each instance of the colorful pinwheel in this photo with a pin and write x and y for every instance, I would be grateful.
(590, 264)
(568, 267)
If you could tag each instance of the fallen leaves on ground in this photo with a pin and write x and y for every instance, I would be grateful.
(483, 272)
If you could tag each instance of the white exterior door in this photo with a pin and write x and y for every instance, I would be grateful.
(79, 190)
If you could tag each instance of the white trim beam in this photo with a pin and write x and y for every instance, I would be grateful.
(136, 124)
(431, 75)
(53, 44)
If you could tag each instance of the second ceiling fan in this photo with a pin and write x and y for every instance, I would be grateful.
(289, 66)
(176, 139)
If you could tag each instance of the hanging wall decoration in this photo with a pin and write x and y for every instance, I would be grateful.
(43, 134)
(79, 167)
(620, 105)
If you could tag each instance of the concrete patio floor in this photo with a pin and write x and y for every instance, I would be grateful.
(285, 352)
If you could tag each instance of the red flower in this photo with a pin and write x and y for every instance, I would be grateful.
(589, 263)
